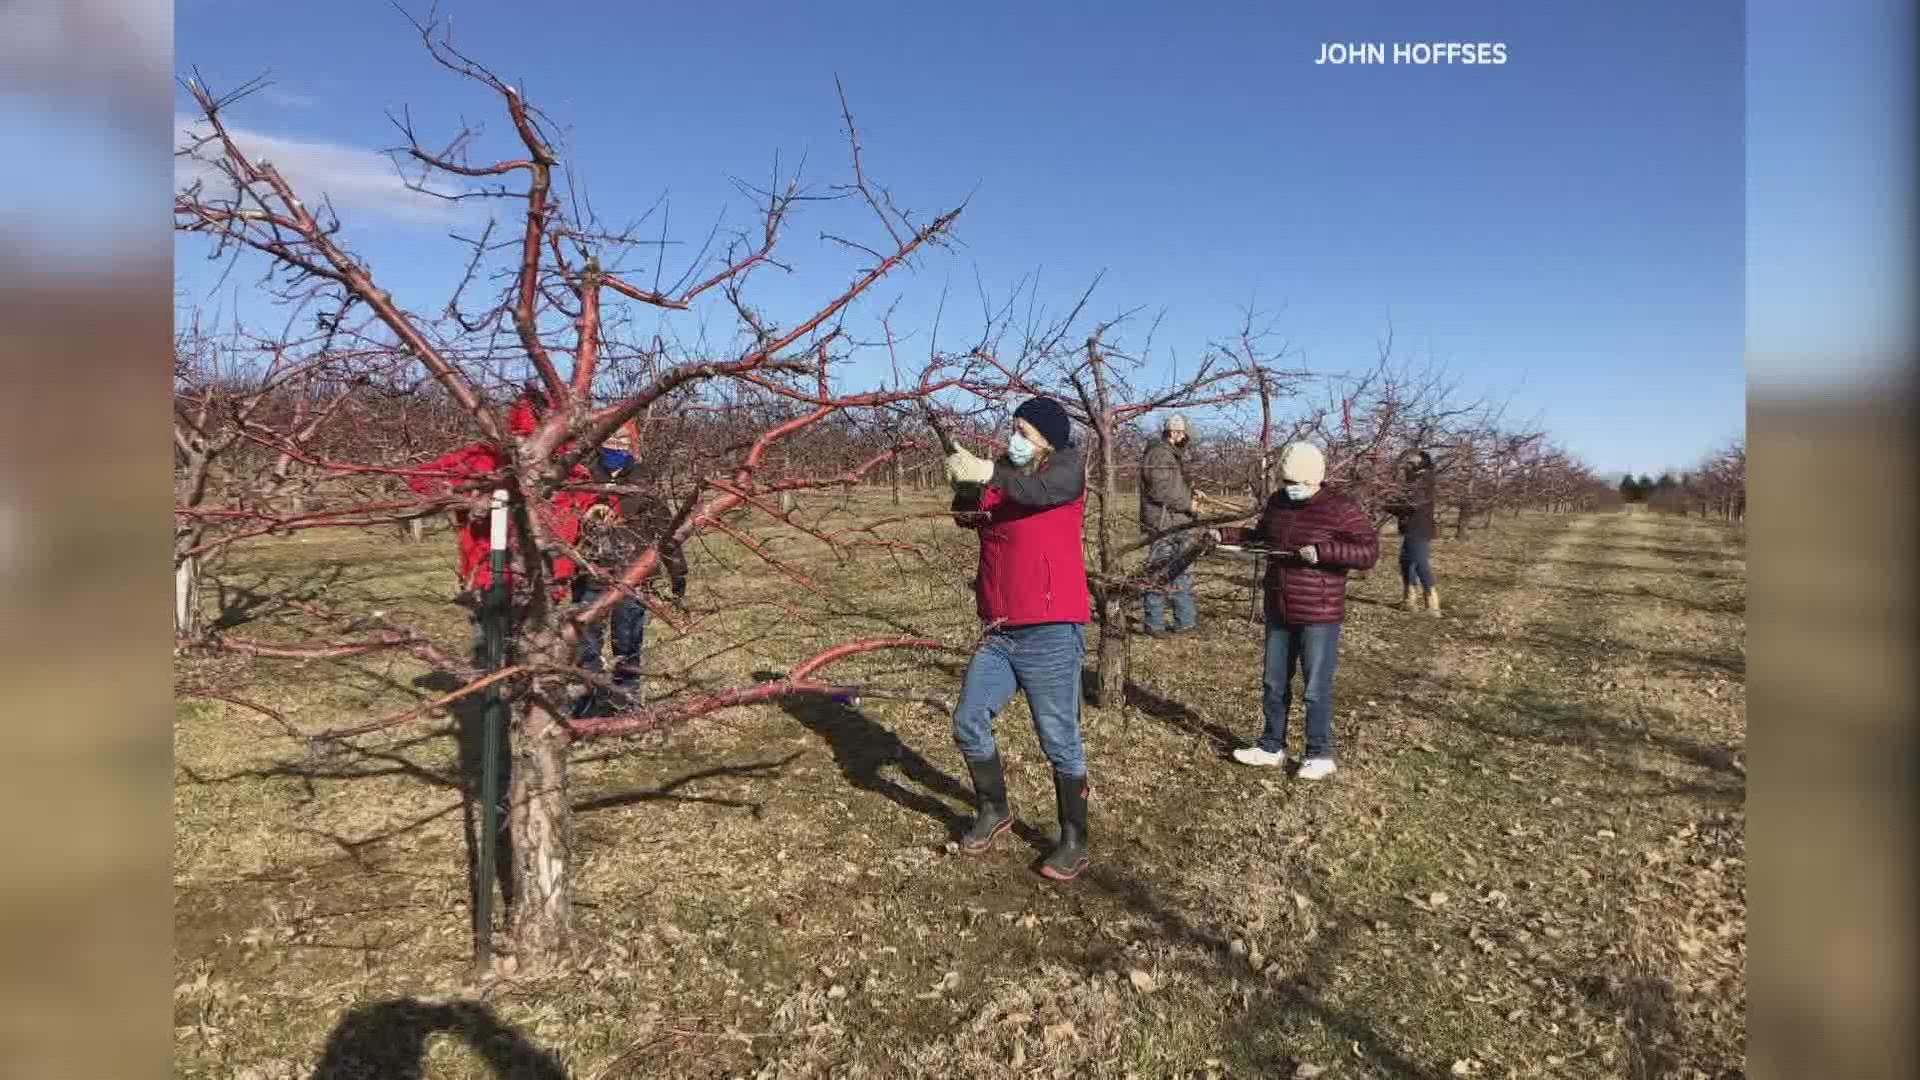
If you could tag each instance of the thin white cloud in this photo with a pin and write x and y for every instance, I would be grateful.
(287, 98)
(360, 182)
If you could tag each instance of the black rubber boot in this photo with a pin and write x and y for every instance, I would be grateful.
(990, 800)
(1069, 856)
(590, 704)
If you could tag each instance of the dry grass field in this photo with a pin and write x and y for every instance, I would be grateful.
(1530, 863)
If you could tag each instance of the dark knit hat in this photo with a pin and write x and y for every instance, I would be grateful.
(1049, 418)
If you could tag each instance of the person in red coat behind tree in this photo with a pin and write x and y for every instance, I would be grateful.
(1031, 593)
(1313, 535)
(561, 514)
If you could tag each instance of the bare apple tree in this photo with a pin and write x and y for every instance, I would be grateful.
(560, 333)
(246, 408)
(1715, 487)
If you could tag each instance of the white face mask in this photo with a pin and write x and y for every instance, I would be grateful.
(1019, 450)
(1298, 492)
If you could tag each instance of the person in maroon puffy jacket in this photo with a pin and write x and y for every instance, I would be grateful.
(1031, 595)
(1313, 535)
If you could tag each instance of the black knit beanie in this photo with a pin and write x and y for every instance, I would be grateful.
(1049, 418)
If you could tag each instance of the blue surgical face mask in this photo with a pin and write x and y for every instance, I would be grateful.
(1298, 492)
(1019, 450)
(614, 460)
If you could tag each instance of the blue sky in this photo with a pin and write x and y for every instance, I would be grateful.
(1567, 230)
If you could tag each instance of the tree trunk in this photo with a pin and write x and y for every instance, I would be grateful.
(1257, 609)
(1111, 660)
(186, 596)
(417, 529)
(1113, 654)
(540, 820)
(786, 502)
(896, 481)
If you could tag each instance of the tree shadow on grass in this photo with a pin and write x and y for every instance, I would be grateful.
(1602, 569)
(669, 791)
(388, 1041)
(469, 724)
(1298, 993)
(1606, 651)
(1721, 606)
(1179, 716)
(866, 750)
(239, 604)
(1529, 716)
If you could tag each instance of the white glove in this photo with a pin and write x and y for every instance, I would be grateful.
(964, 468)
(1213, 535)
(1308, 555)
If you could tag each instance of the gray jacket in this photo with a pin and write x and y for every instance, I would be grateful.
(1166, 495)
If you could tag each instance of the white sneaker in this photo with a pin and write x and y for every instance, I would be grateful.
(1253, 755)
(1315, 769)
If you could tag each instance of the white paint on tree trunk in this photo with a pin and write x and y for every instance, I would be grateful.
(186, 594)
(498, 540)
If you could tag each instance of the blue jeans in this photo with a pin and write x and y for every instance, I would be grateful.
(629, 622)
(1416, 567)
(1180, 588)
(1315, 649)
(1044, 660)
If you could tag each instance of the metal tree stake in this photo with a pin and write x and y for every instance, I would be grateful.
(493, 628)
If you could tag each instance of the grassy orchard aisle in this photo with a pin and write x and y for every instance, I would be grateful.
(767, 894)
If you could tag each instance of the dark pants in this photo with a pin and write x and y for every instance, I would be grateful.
(629, 622)
(1179, 590)
(1416, 567)
(1044, 660)
(1314, 648)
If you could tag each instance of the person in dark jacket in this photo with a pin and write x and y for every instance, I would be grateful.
(1166, 502)
(613, 534)
(1312, 535)
(1031, 594)
(1414, 512)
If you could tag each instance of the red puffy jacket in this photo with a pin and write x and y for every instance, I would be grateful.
(1342, 537)
(561, 515)
(1032, 569)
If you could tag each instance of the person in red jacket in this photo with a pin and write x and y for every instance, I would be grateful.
(562, 514)
(1031, 593)
(1313, 535)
